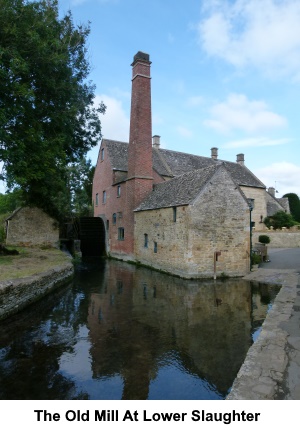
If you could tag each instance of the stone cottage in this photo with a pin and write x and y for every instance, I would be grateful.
(186, 214)
(30, 226)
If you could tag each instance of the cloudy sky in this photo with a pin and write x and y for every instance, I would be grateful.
(225, 74)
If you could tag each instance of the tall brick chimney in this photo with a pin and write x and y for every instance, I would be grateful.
(140, 172)
(140, 137)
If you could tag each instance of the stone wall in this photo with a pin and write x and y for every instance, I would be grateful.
(16, 294)
(218, 220)
(31, 227)
(260, 205)
(280, 238)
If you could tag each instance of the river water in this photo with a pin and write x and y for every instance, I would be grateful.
(125, 332)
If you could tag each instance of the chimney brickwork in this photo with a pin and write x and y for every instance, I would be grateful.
(140, 137)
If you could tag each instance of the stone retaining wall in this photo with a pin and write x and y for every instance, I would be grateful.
(16, 294)
(280, 238)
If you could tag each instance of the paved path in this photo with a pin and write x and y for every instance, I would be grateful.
(271, 369)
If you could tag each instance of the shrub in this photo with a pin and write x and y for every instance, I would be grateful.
(279, 219)
(255, 258)
(263, 238)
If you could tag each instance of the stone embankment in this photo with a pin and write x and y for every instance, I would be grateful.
(16, 294)
(271, 369)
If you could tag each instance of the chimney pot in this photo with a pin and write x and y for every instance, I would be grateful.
(214, 153)
(240, 159)
(271, 190)
(156, 141)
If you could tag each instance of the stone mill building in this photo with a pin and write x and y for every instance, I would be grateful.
(181, 213)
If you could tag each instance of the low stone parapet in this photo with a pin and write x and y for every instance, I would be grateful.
(286, 238)
(16, 294)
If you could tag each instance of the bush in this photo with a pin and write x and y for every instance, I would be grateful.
(263, 238)
(280, 219)
(255, 258)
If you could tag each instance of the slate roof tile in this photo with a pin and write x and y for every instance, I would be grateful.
(178, 191)
(173, 163)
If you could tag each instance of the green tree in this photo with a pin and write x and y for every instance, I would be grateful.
(10, 201)
(47, 116)
(294, 203)
(80, 187)
(279, 219)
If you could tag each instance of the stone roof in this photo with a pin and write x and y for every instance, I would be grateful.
(118, 154)
(173, 163)
(181, 190)
(274, 205)
(284, 201)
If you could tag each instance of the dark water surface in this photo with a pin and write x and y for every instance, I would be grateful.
(125, 332)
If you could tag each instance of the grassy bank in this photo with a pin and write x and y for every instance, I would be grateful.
(30, 261)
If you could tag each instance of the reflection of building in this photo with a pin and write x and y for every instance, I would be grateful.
(141, 318)
(174, 210)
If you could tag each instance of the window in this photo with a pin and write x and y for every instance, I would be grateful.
(174, 213)
(121, 233)
(119, 191)
(155, 247)
(104, 197)
(145, 240)
(97, 199)
(107, 225)
(102, 154)
(114, 219)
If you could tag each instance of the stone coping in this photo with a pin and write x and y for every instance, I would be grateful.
(271, 370)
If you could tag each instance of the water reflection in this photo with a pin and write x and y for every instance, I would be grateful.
(123, 332)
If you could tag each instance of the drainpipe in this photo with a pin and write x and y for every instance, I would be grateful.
(250, 201)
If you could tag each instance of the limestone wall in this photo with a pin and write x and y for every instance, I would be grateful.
(260, 205)
(31, 227)
(16, 294)
(218, 220)
(280, 238)
(171, 239)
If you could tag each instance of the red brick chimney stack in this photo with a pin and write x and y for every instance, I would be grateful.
(140, 138)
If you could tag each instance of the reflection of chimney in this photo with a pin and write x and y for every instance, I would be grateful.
(214, 153)
(240, 159)
(156, 141)
(271, 190)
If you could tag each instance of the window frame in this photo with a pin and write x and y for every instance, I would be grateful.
(121, 233)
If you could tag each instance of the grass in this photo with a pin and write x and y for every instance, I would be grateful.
(30, 261)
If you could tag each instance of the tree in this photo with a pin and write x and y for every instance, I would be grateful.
(10, 201)
(294, 203)
(80, 187)
(47, 116)
(279, 219)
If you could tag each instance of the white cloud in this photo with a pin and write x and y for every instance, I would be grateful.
(184, 132)
(194, 101)
(284, 176)
(260, 33)
(115, 122)
(239, 113)
(255, 142)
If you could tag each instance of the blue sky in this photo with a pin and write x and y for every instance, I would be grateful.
(225, 74)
